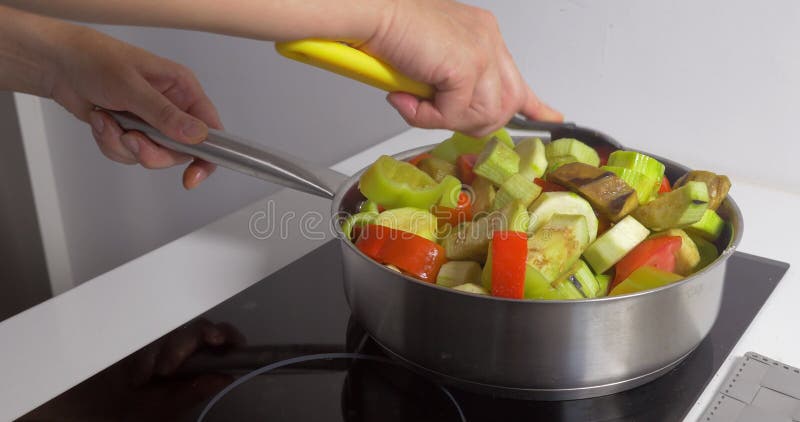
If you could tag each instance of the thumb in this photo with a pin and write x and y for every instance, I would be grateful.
(157, 110)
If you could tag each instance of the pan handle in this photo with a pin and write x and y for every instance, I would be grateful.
(238, 154)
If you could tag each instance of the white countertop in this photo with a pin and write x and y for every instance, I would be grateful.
(65, 340)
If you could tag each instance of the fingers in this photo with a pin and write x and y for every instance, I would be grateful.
(157, 110)
(196, 172)
(535, 109)
(130, 147)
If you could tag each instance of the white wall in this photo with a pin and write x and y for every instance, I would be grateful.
(112, 213)
(712, 84)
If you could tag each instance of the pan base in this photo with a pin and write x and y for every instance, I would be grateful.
(535, 393)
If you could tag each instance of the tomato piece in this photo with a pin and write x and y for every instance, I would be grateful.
(665, 187)
(464, 165)
(509, 253)
(455, 216)
(603, 151)
(412, 254)
(416, 159)
(549, 186)
(658, 253)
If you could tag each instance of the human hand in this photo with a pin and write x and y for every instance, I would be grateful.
(459, 50)
(92, 69)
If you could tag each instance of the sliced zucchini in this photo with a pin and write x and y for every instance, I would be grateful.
(557, 245)
(574, 149)
(454, 273)
(532, 158)
(497, 162)
(549, 203)
(679, 208)
(614, 244)
(471, 288)
(516, 188)
(603, 280)
(709, 227)
(637, 162)
(470, 241)
(459, 144)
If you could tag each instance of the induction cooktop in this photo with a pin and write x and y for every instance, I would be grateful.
(316, 364)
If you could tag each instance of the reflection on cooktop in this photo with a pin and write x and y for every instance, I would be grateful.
(301, 310)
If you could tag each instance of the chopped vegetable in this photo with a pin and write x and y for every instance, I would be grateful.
(455, 216)
(436, 168)
(687, 256)
(483, 194)
(709, 227)
(658, 253)
(471, 288)
(679, 208)
(464, 165)
(357, 220)
(637, 162)
(614, 244)
(532, 158)
(451, 192)
(645, 186)
(644, 278)
(412, 220)
(497, 162)
(550, 203)
(470, 240)
(410, 253)
(416, 159)
(607, 193)
(509, 250)
(718, 185)
(515, 221)
(708, 252)
(549, 186)
(664, 187)
(460, 144)
(556, 246)
(568, 150)
(516, 188)
(396, 184)
(454, 273)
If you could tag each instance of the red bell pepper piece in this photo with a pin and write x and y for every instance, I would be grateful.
(412, 254)
(665, 187)
(455, 216)
(549, 186)
(464, 165)
(603, 151)
(509, 253)
(416, 159)
(657, 253)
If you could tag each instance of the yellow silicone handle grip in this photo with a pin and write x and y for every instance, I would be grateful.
(353, 63)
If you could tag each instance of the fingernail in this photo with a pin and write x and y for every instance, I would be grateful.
(131, 143)
(193, 129)
(97, 122)
(198, 176)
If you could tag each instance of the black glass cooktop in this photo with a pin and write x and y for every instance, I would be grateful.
(301, 311)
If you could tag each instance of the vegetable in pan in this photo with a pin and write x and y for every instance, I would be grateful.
(555, 221)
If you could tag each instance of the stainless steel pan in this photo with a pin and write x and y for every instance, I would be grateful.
(534, 349)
